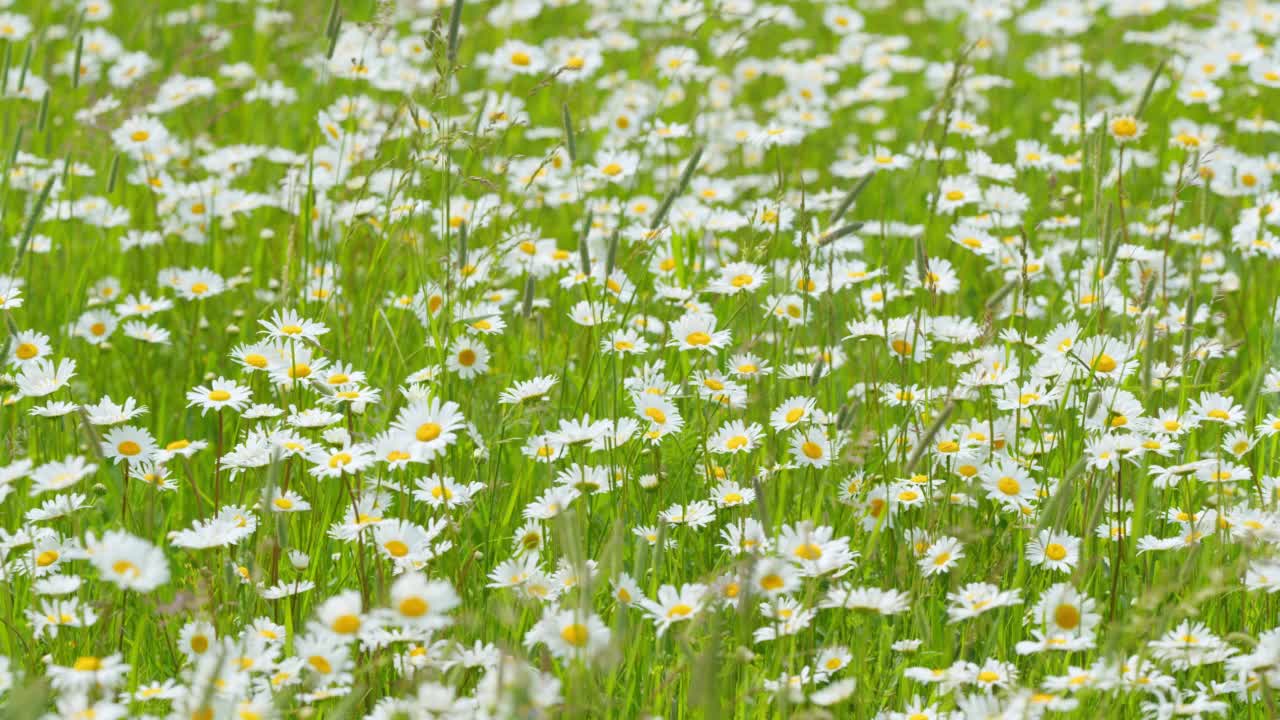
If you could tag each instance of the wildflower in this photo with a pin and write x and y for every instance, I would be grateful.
(220, 394)
(128, 562)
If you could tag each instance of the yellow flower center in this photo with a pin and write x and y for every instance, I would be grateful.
(346, 624)
(575, 634)
(808, 551)
(87, 663)
(698, 338)
(414, 607)
(1066, 616)
(1124, 127)
(428, 431)
(772, 582)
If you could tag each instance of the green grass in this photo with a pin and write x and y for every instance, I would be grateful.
(1095, 245)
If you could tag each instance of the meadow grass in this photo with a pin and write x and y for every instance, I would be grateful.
(627, 359)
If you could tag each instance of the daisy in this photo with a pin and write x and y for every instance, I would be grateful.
(288, 501)
(811, 447)
(1213, 407)
(736, 437)
(95, 326)
(439, 491)
(289, 325)
(146, 332)
(1126, 129)
(430, 426)
(60, 475)
(792, 412)
(467, 359)
(57, 506)
(569, 633)
(747, 365)
(199, 284)
(772, 577)
(696, 331)
(258, 356)
(738, 277)
(140, 136)
(128, 562)
(661, 415)
(128, 444)
(729, 494)
(419, 602)
(88, 672)
(614, 166)
(346, 460)
(1054, 550)
(696, 514)
(1062, 610)
(221, 393)
(294, 365)
(107, 412)
(974, 599)
(625, 341)
(28, 346)
(673, 605)
(941, 556)
(956, 192)
(142, 305)
(340, 615)
(551, 503)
